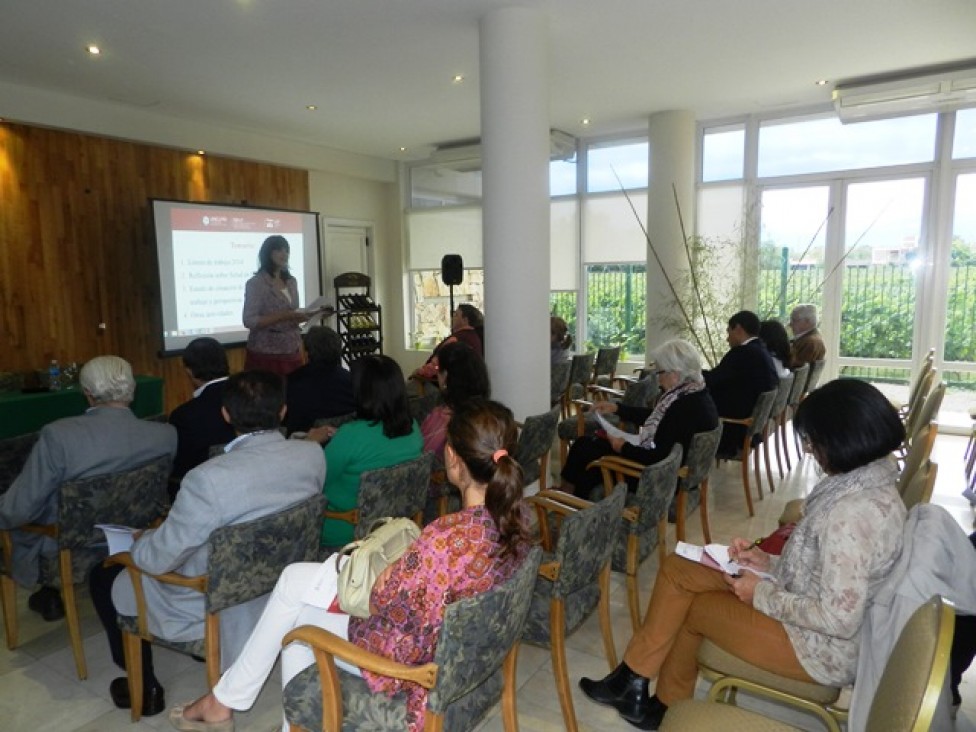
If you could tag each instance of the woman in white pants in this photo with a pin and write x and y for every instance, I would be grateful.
(445, 564)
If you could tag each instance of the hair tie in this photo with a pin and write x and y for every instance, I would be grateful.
(499, 454)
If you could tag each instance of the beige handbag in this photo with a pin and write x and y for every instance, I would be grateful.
(386, 542)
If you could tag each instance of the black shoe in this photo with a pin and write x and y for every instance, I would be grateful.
(647, 714)
(153, 700)
(622, 689)
(47, 603)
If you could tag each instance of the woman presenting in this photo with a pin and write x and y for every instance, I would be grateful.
(271, 312)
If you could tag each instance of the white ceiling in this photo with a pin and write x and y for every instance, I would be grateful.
(381, 71)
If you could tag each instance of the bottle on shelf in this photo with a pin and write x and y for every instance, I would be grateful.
(54, 376)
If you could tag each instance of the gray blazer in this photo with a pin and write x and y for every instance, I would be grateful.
(261, 474)
(102, 440)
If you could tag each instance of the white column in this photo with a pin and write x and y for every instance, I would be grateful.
(515, 150)
(671, 137)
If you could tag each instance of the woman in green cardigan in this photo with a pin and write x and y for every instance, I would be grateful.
(383, 434)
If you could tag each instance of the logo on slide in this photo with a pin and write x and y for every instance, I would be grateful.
(206, 221)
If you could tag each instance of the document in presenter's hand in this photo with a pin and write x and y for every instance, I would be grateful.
(316, 311)
(716, 556)
(119, 537)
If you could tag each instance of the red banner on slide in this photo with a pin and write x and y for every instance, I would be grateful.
(197, 219)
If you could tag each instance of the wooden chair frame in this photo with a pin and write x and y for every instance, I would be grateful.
(759, 415)
(563, 504)
(8, 588)
(352, 515)
(616, 469)
(132, 643)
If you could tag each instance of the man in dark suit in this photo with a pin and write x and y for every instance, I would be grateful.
(198, 422)
(741, 376)
(321, 388)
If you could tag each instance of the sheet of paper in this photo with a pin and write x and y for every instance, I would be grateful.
(715, 556)
(119, 537)
(612, 431)
(317, 311)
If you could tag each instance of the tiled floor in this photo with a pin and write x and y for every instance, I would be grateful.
(39, 690)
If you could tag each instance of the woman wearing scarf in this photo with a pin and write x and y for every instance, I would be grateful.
(684, 408)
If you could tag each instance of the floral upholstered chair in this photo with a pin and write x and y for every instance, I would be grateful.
(13, 456)
(536, 436)
(134, 497)
(605, 366)
(558, 381)
(244, 562)
(574, 578)
(638, 394)
(693, 481)
(398, 490)
(473, 667)
(580, 373)
(644, 522)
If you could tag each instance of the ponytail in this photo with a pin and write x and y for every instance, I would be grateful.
(484, 435)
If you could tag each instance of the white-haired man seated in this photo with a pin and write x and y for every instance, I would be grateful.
(107, 438)
(807, 345)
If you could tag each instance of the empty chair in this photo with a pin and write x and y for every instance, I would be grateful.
(558, 381)
(244, 562)
(473, 667)
(925, 413)
(536, 436)
(605, 366)
(771, 432)
(580, 372)
(644, 520)
(574, 578)
(917, 385)
(693, 481)
(800, 377)
(135, 498)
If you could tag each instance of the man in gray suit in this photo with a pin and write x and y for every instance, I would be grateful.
(105, 439)
(259, 474)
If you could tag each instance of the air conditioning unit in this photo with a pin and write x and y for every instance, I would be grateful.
(948, 89)
(466, 154)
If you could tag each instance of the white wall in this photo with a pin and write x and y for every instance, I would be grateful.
(340, 196)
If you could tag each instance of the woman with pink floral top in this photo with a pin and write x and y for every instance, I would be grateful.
(457, 556)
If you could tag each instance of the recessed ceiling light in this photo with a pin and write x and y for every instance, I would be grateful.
(458, 79)
(585, 121)
(311, 107)
(93, 49)
(821, 82)
(403, 149)
(201, 152)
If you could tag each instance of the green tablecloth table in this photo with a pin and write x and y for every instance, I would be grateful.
(23, 413)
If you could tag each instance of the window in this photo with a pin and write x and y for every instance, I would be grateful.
(824, 144)
(723, 154)
(964, 141)
(618, 165)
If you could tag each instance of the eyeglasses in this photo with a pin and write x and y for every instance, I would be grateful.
(659, 372)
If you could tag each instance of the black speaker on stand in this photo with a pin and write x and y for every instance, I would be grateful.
(452, 273)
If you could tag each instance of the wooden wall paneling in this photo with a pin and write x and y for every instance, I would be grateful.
(76, 243)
